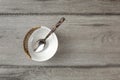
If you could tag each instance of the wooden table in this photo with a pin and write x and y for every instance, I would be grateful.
(89, 40)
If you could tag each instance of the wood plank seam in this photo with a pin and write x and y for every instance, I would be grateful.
(62, 13)
(61, 66)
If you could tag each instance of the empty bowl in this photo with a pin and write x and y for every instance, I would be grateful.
(39, 33)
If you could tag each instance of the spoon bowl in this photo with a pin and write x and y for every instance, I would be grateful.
(39, 46)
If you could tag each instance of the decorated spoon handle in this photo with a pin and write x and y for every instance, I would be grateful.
(55, 27)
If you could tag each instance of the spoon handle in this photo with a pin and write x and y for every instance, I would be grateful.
(55, 27)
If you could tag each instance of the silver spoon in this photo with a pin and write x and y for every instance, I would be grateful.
(40, 44)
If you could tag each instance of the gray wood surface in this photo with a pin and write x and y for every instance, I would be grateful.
(36, 73)
(89, 40)
(83, 40)
(60, 6)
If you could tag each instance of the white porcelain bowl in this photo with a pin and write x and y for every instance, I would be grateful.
(50, 47)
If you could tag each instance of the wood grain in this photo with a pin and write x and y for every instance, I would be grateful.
(89, 40)
(83, 40)
(54, 7)
(59, 73)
